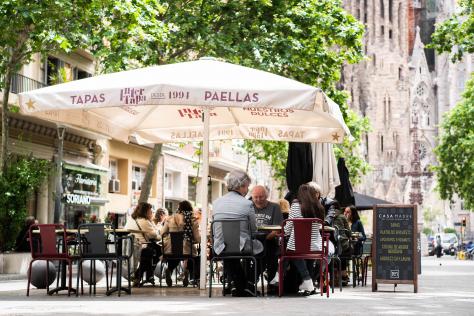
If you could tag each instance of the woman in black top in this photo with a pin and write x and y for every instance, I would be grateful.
(356, 227)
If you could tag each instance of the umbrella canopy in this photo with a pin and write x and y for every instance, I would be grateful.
(325, 171)
(198, 100)
(165, 103)
(344, 193)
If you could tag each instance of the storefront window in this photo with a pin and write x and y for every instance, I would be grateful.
(79, 190)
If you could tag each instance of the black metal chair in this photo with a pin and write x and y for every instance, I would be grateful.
(95, 243)
(177, 251)
(366, 257)
(336, 257)
(231, 234)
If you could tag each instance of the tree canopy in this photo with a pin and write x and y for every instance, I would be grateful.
(307, 40)
(455, 151)
(30, 27)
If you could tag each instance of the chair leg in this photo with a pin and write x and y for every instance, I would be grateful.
(47, 276)
(94, 281)
(161, 272)
(90, 277)
(321, 277)
(29, 279)
(263, 279)
(79, 267)
(129, 275)
(353, 272)
(255, 276)
(327, 276)
(366, 268)
(119, 277)
(106, 274)
(211, 275)
(111, 273)
(280, 277)
(70, 278)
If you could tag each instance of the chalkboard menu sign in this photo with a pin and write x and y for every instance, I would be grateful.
(395, 259)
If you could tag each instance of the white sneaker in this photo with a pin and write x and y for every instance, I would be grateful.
(307, 285)
(275, 280)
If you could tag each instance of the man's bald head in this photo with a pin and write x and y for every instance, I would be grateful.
(260, 196)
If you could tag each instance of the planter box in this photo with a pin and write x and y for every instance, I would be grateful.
(14, 262)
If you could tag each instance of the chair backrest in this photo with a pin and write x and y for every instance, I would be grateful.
(94, 239)
(303, 229)
(367, 247)
(176, 240)
(43, 243)
(229, 231)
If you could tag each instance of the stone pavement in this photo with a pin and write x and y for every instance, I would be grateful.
(446, 289)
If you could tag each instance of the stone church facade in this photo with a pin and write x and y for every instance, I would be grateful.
(404, 89)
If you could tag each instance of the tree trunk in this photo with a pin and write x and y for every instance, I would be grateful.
(5, 119)
(150, 171)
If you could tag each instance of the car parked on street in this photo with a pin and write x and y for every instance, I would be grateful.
(449, 243)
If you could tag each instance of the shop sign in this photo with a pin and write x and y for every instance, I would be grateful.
(79, 186)
(78, 199)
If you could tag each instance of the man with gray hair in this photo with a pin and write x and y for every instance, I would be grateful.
(234, 205)
(267, 213)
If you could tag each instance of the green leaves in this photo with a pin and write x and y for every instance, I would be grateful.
(455, 35)
(22, 177)
(455, 151)
(307, 40)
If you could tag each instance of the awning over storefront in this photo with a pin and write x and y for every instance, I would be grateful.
(85, 167)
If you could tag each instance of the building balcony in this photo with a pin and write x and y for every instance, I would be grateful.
(21, 83)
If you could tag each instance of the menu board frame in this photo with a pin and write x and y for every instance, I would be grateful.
(375, 249)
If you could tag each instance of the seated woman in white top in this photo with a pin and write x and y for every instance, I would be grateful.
(142, 220)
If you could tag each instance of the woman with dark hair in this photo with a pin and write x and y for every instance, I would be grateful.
(182, 221)
(356, 227)
(142, 218)
(307, 205)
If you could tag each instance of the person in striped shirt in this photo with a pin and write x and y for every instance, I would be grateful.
(305, 206)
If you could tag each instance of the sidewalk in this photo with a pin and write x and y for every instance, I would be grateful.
(446, 289)
(9, 277)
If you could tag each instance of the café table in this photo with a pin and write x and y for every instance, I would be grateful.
(121, 233)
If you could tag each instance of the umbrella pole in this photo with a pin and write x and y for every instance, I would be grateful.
(204, 202)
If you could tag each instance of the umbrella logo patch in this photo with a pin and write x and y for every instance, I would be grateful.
(131, 96)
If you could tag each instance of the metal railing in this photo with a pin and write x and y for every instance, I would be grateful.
(21, 83)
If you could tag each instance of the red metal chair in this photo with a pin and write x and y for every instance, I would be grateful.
(302, 228)
(43, 247)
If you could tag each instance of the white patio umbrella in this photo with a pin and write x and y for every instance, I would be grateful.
(198, 100)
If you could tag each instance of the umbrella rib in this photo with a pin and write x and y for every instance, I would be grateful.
(151, 110)
(233, 116)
